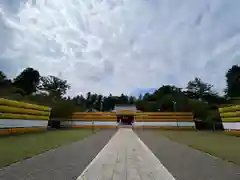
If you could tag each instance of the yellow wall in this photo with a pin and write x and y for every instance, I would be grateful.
(231, 118)
(96, 116)
(183, 120)
(165, 117)
(139, 117)
(18, 116)
(24, 105)
(19, 110)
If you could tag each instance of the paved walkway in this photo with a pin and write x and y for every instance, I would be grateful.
(125, 157)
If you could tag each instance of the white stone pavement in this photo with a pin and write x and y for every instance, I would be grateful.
(125, 157)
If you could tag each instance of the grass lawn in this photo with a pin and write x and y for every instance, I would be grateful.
(218, 144)
(19, 147)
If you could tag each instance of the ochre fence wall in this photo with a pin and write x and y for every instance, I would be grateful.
(168, 120)
(231, 118)
(94, 119)
(17, 116)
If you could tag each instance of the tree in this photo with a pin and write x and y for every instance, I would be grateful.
(2, 76)
(5, 86)
(233, 82)
(3, 80)
(28, 80)
(197, 89)
(165, 90)
(199, 108)
(92, 101)
(55, 86)
(99, 103)
(123, 99)
(132, 100)
(166, 103)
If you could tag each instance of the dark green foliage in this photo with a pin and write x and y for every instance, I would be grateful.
(28, 81)
(62, 109)
(2, 77)
(3, 80)
(197, 89)
(55, 86)
(233, 82)
(199, 108)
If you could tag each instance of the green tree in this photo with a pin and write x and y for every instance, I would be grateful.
(233, 82)
(6, 89)
(92, 101)
(28, 80)
(132, 100)
(199, 108)
(55, 86)
(3, 80)
(123, 99)
(62, 109)
(166, 103)
(111, 101)
(197, 89)
(2, 76)
(165, 90)
(80, 102)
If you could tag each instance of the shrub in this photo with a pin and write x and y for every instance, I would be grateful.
(62, 109)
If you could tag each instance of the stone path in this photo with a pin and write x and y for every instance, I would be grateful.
(125, 157)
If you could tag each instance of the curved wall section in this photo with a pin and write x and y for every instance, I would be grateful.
(18, 117)
(231, 118)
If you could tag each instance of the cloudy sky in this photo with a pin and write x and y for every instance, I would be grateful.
(121, 46)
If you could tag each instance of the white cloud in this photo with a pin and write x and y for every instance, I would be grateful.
(119, 46)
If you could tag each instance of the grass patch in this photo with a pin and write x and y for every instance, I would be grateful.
(218, 144)
(16, 148)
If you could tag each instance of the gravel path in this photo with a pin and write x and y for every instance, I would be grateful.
(186, 163)
(64, 163)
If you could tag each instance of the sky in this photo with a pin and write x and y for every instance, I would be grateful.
(121, 46)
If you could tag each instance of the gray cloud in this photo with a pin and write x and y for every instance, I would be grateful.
(120, 46)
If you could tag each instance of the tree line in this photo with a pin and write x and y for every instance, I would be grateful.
(198, 96)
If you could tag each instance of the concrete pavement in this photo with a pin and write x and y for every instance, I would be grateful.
(125, 157)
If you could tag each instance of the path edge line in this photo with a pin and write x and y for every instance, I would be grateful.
(96, 157)
(150, 152)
